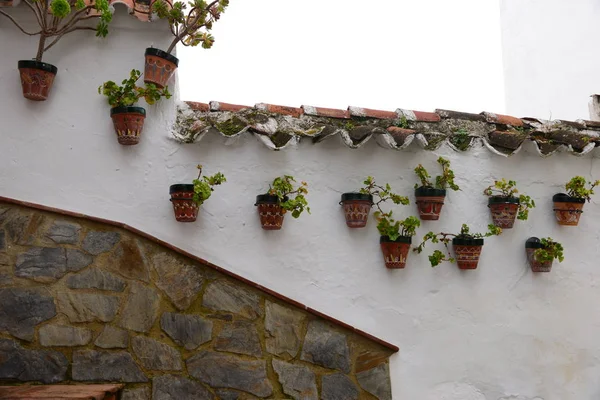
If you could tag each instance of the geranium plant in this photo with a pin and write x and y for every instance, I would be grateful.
(55, 19)
(542, 252)
(283, 196)
(506, 203)
(569, 207)
(467, 246)
(580, 188)
(430, 193)
(187, 198)
(128, 120)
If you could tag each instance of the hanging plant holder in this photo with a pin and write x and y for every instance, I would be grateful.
(504, 211)
(129, 123)
(395, 252)
(567, 209)
(270, 212)
(159, 67)
(430, 202)
(36, 79)
(357, 207)
(467, 252)
(184, 206)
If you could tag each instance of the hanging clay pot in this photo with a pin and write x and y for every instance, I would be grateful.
(270, 212)
(430, 202)
(159, 67)
(184, 206)
(504, 211)
(129, 123)
(36, 79)
(567, 209)
(467, 252)
(357, 207)
(395, 252)
(531, 245)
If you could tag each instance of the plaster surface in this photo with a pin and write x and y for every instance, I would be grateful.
(550, 66)
(499, 332)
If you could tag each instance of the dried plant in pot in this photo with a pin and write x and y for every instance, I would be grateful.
(467, 246)
(542, 252)
(190, 28)
(128, 119)
(187, 198)
(55, 19)
(504, 204)
(568, 207)
(430, 196)
(282, 196)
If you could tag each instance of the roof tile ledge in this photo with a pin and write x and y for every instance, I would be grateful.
(281, 127)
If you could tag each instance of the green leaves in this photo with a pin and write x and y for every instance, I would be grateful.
(576, 187)
(283, 188)
(60, 8)
(203, 187)
(129, 93)
(504, 188)
(550, 250)
(102, 6)
(444, 181)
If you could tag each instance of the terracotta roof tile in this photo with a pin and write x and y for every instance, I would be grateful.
(326, 112)
(285, 110)
(370, 113)
(218, 106)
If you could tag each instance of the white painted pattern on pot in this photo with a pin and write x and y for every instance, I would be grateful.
(497, 332)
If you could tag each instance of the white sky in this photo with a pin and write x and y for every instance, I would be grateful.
(385, 54)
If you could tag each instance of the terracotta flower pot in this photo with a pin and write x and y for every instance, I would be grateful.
(270, 212)
(186, 210)
(467, 252)
(129, 123)
(159, 67)
(395, 252)
(567, 209)
(36, 79)
(504, 211)
(531, 245)
(357, 207)
(430, 202)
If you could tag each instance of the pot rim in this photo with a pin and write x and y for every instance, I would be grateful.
(356, 196)
(467, 242)
(565, 198)
(181, 187)
(38, 65)
(503, 200)
(162, 54)
(128, 110)
(425, 191)
(401, 239)
(268, 199)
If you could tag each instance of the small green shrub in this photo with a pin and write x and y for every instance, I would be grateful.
(128, 93)
(444, 181)
(283, 188)
(506, 189)
(204, 187)
(550, 250)
(576, 187)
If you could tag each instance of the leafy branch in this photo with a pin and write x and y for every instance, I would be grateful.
(550, 250)
(576, 187)
(441, 181)
(204, 187)
(508, 189)
(283, 188)
(128, 93)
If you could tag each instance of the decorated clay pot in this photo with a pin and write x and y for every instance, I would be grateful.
(270, 212)
(159, 67)
(567, 209)
(430, 202)
(504, 211)
(357, 207)
(184, 206)
(467, 252)
(531, 245)
(128, 122)
(36, 79)
(395, 252)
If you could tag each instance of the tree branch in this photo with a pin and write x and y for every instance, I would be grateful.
(17, 24)
(37, 16)
(77, 28)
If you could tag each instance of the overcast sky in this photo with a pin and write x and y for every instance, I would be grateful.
(384, 54)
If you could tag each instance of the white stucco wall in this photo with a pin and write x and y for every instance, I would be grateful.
(499, 332)
(550, 63)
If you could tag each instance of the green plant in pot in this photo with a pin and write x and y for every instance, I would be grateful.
(191, 27)
(542, 252)
(467, 246)
(128, 119)
(396, 237)
(568, 207)
(55, 19)
(187, 198)
(430, 194)
(506, 204)
(283, 196)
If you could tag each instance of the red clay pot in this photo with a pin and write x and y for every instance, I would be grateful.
(357, 207)
(504, 211)
(567, 209)
(467, 252)
(184, 207)
(129, 123)
(36, 79)
(430, 202)
(395, 252)
(159, 67)
(531, 245)
(270, 212)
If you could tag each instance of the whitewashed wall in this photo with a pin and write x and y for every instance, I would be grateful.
(499, 332)
(550, 59)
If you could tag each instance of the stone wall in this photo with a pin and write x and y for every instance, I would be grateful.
(82, 301)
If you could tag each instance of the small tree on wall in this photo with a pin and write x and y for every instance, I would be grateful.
(56, 18)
